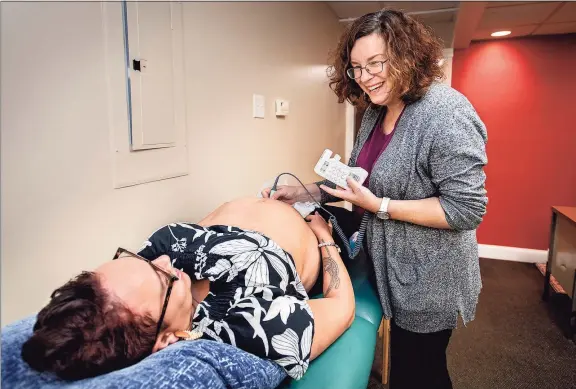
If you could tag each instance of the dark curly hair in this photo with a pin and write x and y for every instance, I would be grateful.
(83, 332)
(413, 50)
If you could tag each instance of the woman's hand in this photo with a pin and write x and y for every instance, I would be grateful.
(286, 193)
(319, 226)
(357, 194)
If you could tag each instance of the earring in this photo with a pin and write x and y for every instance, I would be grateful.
(188, 335)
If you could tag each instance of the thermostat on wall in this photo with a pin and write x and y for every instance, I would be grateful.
(282, 107)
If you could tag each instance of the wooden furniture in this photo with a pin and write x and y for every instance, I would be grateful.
(562, 258)
(384, 334)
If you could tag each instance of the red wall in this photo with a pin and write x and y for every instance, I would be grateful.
(525, 92)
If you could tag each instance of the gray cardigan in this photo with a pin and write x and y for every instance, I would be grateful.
(426, 276)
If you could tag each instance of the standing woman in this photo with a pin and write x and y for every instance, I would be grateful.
(424, 146)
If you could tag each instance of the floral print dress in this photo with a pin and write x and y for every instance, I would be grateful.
(256, 300)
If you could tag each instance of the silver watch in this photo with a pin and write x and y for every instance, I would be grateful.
(383, 211)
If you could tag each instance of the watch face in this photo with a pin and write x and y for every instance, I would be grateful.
(383, 215)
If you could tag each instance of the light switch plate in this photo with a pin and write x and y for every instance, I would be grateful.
(258, 106)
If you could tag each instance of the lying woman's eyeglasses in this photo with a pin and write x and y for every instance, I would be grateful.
(170, 277)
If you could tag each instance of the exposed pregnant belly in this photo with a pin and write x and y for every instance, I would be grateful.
(278, 221)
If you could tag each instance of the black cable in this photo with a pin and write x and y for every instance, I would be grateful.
(345, 239)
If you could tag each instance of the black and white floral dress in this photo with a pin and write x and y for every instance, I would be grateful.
(256, 300)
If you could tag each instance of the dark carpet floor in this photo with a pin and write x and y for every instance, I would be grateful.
(515, 341)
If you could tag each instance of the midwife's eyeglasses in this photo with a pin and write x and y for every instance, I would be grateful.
(169, 276)
(372, 68)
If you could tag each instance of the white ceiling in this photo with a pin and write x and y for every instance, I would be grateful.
(527, 18)
(459, 23)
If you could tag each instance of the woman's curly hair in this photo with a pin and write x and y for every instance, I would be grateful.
(413, 50)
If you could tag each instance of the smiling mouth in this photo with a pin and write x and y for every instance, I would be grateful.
(376, 87)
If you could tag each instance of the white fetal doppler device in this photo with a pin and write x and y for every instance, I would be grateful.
(335, 171)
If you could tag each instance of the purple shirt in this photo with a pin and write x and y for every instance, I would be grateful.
(374, 146)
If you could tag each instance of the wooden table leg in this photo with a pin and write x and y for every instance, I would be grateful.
(572, 318)
(385, 326)
(546, 293)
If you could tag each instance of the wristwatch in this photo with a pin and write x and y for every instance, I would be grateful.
(383, 211)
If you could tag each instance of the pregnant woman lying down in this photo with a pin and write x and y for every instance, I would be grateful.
(239, 276)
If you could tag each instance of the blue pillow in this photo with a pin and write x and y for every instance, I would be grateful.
(187, 364)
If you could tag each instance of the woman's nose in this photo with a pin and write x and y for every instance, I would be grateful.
(164, 262)
(365, 76)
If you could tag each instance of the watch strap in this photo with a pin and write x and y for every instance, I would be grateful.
(384, 205)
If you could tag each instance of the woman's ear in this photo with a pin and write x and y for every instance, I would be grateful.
(164, 340)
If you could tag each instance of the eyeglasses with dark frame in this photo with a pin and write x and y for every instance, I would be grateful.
(171, 278)
(373, 67)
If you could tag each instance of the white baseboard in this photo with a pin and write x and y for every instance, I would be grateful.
(516, 254)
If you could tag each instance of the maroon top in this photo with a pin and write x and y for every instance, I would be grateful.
(374, 146)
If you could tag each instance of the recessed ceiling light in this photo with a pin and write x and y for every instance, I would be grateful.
(501, 33)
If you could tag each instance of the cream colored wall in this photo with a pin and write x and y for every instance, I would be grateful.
(60, 214)
(447, 64)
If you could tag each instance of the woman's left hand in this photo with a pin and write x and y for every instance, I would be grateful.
(357, 194)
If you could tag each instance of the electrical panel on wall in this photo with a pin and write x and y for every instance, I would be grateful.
(145, 71)
(156, 72)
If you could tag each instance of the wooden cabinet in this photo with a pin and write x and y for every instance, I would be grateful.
(562, 258)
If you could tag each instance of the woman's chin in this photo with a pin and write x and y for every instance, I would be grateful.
(379, 98)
